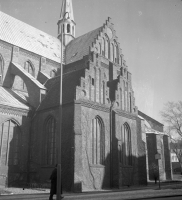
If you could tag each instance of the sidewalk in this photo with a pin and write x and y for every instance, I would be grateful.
(141, 192)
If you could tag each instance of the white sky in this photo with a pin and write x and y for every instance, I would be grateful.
(149, 32)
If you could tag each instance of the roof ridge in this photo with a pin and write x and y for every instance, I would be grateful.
(88, 33)
(28, 24)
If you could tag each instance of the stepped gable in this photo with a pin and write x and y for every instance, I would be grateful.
(70, 82)
(27, 37)
(80, 46)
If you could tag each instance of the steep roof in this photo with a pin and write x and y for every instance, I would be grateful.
(27, 37)
(12, 99)
(79, 47)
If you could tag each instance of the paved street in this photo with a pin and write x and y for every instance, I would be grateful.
(110, 195)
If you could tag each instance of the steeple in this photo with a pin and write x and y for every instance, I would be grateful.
(66, 23)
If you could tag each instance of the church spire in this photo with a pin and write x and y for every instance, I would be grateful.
(67, 7)
(66, 23)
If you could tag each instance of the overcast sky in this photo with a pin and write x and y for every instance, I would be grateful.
(149, 32)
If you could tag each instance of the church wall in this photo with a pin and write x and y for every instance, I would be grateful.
(94, 176)
(125, 175)
(21, 57)
(5, 51)
(167, 156)
(38, 171)
(14, 175)
(142, 157)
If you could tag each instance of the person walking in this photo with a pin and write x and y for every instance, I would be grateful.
(53, 179)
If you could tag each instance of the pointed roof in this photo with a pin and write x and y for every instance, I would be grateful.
(22, 35)
(80, 46)
(67, 7)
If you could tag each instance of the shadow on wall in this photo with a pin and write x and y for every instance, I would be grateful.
(13, 158)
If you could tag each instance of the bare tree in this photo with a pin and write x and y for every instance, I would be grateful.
(172, 116)
(176, 146)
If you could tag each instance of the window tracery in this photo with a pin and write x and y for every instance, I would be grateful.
(98, 141)
(50, 141)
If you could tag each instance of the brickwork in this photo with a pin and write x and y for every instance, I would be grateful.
(11, 175)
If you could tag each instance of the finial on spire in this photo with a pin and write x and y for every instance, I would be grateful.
(67, 8)
(66, 23)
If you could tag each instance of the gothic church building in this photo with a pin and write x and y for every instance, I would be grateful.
(103, 135)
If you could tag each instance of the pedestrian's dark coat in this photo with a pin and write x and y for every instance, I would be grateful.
(53, 179)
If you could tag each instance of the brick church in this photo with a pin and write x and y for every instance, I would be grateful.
(106, 141)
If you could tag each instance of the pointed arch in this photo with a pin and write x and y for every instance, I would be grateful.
(126, 145)
(68, 28)
(103, 46)
(10, 137)
(98, 141)
(28, 66)
(104, 92)
(50, 141)
(113, 53)
(1, 68)
(107, 47)
(116, 52)
(90, 88)
(53, 73)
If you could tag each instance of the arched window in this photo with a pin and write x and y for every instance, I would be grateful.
(100, 48)
(107, 48)
(98, 141)
(9, 143)
(116, 53)
(104, 91)
(121, 60)
(73, 31)
(103, 46)
(126, 145)
(68, 28)
(50, 141)
(63, 28)
(29, 68)
(90, 88)
(1, 69)
(100, 86)
(113, 53)
(53, 73)
(95, 85)
(121, 99)
(130, 103)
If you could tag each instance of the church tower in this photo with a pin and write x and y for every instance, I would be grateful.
(66, 23)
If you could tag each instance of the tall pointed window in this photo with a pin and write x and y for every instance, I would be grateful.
(53, 73)
(103, 46)
(90, 88)
(104, 91)
(1, 69)
(29, 68)
(126, 145)
(68, 28)
(107, 48)
(98, 141)
(116, 53)
(113, 53)
(9, 143)
(50, 141)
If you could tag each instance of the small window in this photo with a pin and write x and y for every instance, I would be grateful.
(92, 81)
(68, 28)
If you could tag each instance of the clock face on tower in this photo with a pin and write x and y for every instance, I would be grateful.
(109, 33)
